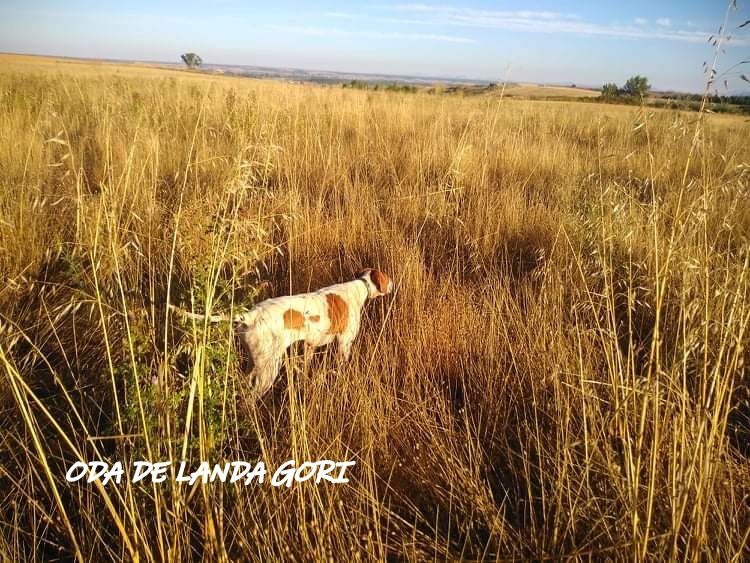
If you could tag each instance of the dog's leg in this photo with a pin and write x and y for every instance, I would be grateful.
(267, 357)
(309, 350)
(344, 348)
(264, 374)
(346, 339)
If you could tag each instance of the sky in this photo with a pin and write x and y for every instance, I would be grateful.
(586, 42)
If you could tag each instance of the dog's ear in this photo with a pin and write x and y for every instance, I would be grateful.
(380, 280)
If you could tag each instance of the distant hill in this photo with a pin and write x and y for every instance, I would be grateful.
(327, 76)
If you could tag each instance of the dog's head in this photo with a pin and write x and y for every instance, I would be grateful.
(378, 283)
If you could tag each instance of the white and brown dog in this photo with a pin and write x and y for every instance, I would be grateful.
(317, 318)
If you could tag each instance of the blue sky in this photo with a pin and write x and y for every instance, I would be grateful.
(539, 41)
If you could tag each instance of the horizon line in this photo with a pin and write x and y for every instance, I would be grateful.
(426, 77)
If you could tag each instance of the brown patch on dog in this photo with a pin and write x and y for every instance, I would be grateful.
(314, 318)
(380, 280)
(293, 319)
(338, 313)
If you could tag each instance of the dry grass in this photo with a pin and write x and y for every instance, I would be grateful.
(563, 371)
(538, 91)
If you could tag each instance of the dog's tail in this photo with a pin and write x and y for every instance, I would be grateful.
(200, 316)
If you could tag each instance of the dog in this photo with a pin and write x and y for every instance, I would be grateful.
(329, 314)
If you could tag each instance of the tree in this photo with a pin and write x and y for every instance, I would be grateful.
(610, 90)
(637, 86)
(191, 60)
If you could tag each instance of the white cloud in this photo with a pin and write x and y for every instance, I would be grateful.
(640, 21)
(514, 14)
(541, 22)
(329, 31)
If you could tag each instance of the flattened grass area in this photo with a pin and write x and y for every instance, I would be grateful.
(562, 371)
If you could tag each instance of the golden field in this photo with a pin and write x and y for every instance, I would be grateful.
(562, 372)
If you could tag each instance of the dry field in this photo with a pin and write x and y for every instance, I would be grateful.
(561, 373)
(524, 90)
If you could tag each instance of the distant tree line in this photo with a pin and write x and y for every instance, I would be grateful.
(715, 99)
(388, 87)
(637, 87)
